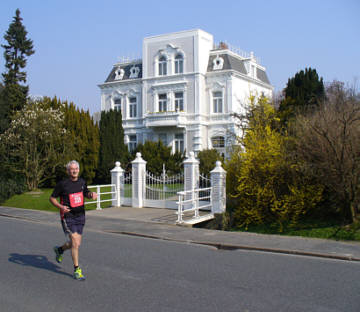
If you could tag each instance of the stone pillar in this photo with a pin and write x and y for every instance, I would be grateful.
(218, 184)
(138, 181)
(191, 177)
(191, 172)
(116, 176)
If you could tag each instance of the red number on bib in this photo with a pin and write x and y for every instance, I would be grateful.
(76, 199)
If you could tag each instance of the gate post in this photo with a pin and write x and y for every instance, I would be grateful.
(138, 181)
(116, 176)
(191, 177)
(218, 184)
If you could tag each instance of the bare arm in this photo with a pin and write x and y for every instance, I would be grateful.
(92, 195)
(54, 201)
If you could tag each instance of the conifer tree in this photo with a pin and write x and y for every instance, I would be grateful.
(207, 159)
(83, 135)
(17, 49)
(85, 138)
(157, 154)
(112, 146)
(304, 91)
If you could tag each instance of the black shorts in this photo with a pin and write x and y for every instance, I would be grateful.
(73, 224)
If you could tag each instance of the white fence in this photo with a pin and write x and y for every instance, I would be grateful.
(198, 199)
(189, 192)
(98, 201)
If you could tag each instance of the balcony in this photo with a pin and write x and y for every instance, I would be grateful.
(166, 119)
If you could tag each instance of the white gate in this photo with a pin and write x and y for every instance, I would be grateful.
(188, 192)
(161, 191)
(126, 189)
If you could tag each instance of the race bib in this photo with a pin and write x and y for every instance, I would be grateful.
(76, 199)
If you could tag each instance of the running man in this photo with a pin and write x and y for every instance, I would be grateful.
(72, 212)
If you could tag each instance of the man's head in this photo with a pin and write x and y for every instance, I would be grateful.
(73, 169)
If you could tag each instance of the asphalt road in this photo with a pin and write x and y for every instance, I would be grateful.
(127, 273)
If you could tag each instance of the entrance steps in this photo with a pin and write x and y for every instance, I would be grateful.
(198, 220)
(170, 217)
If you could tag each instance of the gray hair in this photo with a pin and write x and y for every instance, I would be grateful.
(71, 163)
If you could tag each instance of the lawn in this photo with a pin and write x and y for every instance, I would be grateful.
(328, 229)
(39, 200)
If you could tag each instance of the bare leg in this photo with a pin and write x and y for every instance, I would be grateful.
(75, 244)
(66, 246)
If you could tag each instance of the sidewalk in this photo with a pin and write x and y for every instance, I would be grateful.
(159, 224)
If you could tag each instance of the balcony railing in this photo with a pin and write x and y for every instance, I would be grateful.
(166, 119)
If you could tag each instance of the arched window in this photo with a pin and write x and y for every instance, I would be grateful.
(179, 64)
(218, 141)
(162, 66)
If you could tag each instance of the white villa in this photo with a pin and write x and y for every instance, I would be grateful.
(183, 91)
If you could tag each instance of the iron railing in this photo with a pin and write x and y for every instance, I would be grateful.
(193, 200)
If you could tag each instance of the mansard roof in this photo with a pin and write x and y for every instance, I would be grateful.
(126, 68)
(261, 75)
(236, 64)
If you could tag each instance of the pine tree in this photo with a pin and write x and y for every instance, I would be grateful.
(17, 49)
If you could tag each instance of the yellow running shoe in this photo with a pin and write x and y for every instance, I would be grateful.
(78, 274)
(58, 255)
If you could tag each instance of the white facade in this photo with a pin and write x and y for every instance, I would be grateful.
(183, 91)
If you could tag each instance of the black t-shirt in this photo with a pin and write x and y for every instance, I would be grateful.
(72, 194)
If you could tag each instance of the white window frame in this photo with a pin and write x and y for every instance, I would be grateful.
(117, 106)
(132, 107)
(162, 103)
(218, 142)
(162, 65)
(179, 142)
(179, 102)
(217, 102)
(132, 142)
(179, 64)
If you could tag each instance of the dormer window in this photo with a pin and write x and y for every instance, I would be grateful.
(134, 72)
(179, 64)
(162, 66)
(119, 73)
(218, 63)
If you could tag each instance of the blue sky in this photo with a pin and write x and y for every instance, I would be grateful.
(78, 41)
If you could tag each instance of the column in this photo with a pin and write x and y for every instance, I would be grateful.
(191, 177)
(218, 184)
(116, 176)
(138, 181)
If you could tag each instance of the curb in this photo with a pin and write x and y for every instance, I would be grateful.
(221, 246)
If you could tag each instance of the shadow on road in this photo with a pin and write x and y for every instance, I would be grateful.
(36, 261)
